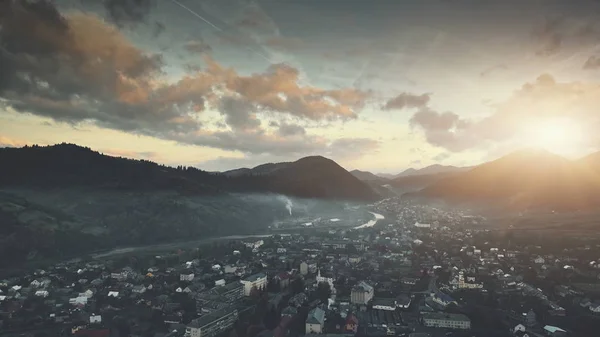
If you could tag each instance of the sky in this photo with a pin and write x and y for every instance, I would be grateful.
(376, 85)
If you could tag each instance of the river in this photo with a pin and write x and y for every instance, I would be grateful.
(196, 243)
(371, 223)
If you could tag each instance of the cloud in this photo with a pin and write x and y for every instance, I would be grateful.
(441, 129)
(10, 142)
(128, 12)
(197, 47)
(548, 35)
(239, 113)
(79, 68)
(542, 99)
(407, 100)
(489, 71)
(341, 149)
(351, 148)
(148, 155)
(592, 63)
(291, 130)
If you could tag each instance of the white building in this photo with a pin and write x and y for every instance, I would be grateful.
(41, 293)
(78, 300)
(303, 268)
(446, 320)
(362, 293)
(186, 277)
(95, 319)
(315, 321)
(258, 281)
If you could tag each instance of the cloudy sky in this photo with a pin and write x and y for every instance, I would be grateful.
(377, 85)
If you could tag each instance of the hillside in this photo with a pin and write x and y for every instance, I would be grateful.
(412, 183)
(74, 166)
(368, 176)
(432, 169)
(523, 180)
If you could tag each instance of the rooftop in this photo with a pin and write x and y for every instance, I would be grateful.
(213, 316)
(255, 277)
(446, 316)
(316, 316)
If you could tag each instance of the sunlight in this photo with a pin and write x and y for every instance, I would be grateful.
(556, 135)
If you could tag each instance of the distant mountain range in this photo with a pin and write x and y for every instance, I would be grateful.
(432, 169)
(523, 180)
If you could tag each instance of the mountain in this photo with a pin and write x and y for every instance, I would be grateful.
(432, 169)
(72, 165)
(367, 176)
(309, 177)
(412, 183)
(523, 180)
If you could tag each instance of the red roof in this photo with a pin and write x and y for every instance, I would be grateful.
(351, 320)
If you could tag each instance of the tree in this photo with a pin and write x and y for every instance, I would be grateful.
(298, 285)
(323, 291)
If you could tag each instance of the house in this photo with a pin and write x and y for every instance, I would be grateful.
(594, 307)
(81, 300)
(361, 293)
(315, 321)
(186, 277)
(41, 293)
(139, 289)
(554, 331)
(95, 319)
(539, 260)
(258, 281)
(351, 324)
(113, 294)
(283, 279)
(442, 299)
(281, 250)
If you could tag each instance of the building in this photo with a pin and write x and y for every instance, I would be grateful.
(315, 321)
(258, 281)
(403, 301)
(212, 324)
(445, 320)
(303, 268)
(442, 299)
(468, 282)
(186, 277)
(230, 292)
(362, 293)
(325, 278)
(387, 304)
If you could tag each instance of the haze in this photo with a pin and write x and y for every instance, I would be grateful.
(224, 84)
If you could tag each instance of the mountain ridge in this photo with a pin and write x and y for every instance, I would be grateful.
(70, 164)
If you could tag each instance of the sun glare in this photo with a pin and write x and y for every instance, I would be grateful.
(555, 135)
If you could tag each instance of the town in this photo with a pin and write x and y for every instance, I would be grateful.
(420, 271)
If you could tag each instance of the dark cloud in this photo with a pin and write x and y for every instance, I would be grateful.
(549, 36)
(239, 113)
(592, 63)
(291, 130)
(159, 28)
(197, 47)
(407, 100)
(128, 12)
(489, 71)
(441, 129)
(78, 68)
